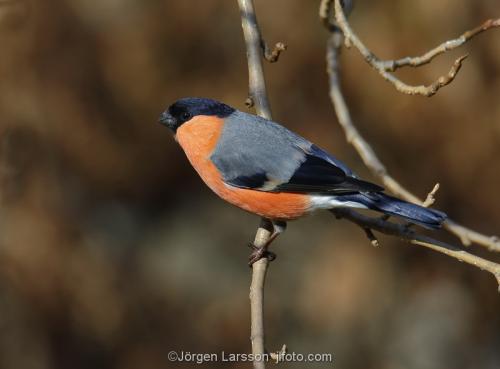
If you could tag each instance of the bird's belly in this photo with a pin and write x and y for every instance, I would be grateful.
(284, 206)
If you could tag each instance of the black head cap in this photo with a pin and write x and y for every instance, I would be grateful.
(184, 109)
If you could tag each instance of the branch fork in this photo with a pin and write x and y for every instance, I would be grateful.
(386, 67)
(369, 157)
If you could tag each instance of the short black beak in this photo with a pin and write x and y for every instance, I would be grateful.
(167, 120)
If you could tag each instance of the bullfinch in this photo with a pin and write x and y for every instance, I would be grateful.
(262, 167)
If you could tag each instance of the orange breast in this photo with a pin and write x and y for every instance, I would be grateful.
(198, 138)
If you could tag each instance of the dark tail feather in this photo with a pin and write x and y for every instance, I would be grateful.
(428, 218)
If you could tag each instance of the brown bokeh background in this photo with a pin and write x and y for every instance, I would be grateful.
(112, 251)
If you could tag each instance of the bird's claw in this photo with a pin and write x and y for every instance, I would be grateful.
(259, 253)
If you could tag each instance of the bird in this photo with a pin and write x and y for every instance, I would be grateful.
(262, 167)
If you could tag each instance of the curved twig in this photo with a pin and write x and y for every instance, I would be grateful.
(385, 67)
(376, 166)
(371, 160)
(408, 235)
(273, 55)
(417, 61)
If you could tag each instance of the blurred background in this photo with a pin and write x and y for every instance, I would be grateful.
(113, 252)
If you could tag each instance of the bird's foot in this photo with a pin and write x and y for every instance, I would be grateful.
(259, 253)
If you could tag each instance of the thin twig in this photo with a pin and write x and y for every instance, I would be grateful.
(417, 61)
(371, 160)
(430, 199)
(273, 55)
(257, 98)
(385, 67)
(411, 236)
(373, 239)
(279, 355)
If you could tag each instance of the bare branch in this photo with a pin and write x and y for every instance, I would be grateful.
(417, 61)
(258, 98)
(385, 67)
(371, 160)
(256, 81)
(325, 11)
(468, 236)
(259, 270)
(411, 236)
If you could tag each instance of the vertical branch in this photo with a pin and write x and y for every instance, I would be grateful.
(259, 271)
(253, 41)
(258, 96)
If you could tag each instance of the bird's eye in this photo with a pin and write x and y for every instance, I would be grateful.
(185, 116)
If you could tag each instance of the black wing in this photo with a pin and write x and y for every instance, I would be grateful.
(314, 175)
(317, 175)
